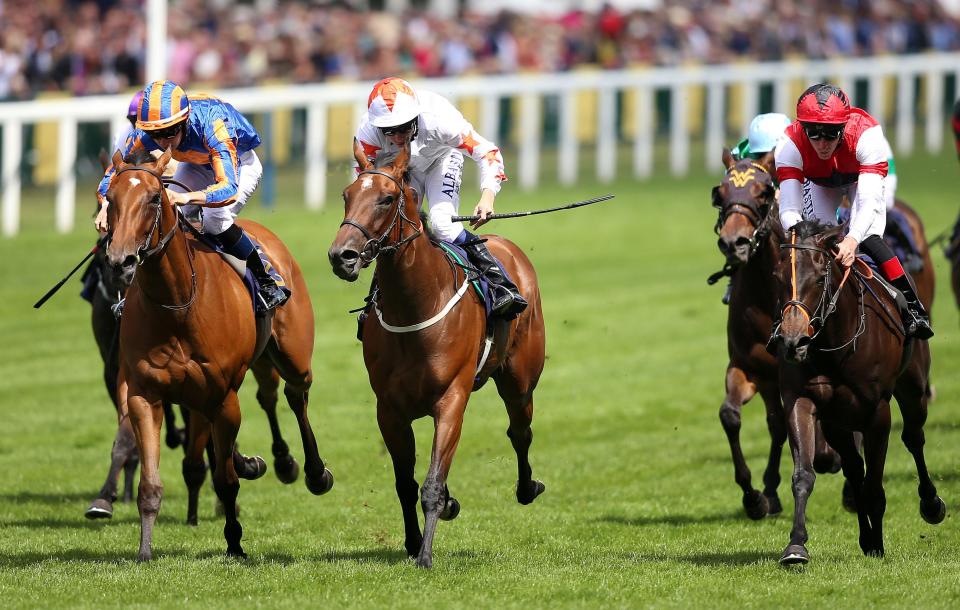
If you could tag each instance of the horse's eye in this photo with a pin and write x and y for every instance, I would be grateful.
(156, 199)
(821, 282)
(386, 200)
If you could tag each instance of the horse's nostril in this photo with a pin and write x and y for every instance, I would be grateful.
(803, 341)
(129, 261)
(723, 245)
(742, 241)
(349, 255)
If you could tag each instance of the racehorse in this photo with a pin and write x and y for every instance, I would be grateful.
(843, 354)
(188, 335)
(421, 362)
(749, 235)
(107, 288)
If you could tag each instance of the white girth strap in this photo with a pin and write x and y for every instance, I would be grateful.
(414, 327)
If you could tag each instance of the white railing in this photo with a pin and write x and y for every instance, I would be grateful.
(715, 82)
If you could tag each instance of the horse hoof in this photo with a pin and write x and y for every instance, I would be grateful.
(425, 562)
(450, 510)
(236, 553)
(933, 511)
(172, 439)
(192, 520)
(320, 486)
(795, 554)
(99, 509)
(756, 505)
(849, 498)
(530, 493)
(774, 507)
(286, 469)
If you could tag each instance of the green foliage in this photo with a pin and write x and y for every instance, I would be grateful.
(640, 509)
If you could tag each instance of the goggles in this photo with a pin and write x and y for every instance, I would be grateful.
(823, 131)
(405, 128)
(166, 132)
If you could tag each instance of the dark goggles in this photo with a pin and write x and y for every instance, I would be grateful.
(822, 131)
(166, 132)
(405, 128)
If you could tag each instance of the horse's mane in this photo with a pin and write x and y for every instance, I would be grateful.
(139, 156)
(427, 228)
(809, 228)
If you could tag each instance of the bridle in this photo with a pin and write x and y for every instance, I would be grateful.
(145, 252)
(377, 246)
(755, 213)
(827, 304)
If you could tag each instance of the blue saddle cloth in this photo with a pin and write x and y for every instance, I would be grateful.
(249, 280)
(480, 284)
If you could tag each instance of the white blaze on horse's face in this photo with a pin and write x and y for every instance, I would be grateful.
(134, 181)
(366, 183)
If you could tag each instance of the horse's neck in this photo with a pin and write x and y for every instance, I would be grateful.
(167, 276)
(413, 279)
(756, 276)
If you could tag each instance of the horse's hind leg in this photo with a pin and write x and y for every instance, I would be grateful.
(124, 452)
(226, 424)
(519, 403)
(846, 445)
(739, 391)
(913, 408)
(268, 380)
(175, 437)
(194, 467)
(398, 437)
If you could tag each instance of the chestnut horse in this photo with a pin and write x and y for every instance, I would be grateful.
(421, 362)
(843, 354)
(749, 232)
(188, 335)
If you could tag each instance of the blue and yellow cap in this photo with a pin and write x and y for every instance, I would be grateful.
(164, 104)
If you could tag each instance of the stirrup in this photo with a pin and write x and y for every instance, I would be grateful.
(916, 325)
(271, 296)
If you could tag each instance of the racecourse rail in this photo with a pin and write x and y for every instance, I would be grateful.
(714, 82)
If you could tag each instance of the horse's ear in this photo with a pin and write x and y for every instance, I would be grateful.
(768, 163)
(117, 159)
(402, 160)
(164, 160)
(727, 158)
(360, 155)
(103, 159)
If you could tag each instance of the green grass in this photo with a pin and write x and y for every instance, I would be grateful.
(640, 509)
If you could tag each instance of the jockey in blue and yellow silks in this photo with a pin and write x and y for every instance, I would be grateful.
(215, 146)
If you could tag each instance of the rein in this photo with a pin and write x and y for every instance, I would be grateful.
(144, 252)
(375, 246)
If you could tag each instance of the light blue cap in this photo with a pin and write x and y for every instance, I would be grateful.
(766, 131)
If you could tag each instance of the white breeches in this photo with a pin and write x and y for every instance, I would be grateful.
(821, 203)
(440, 185)
(199, 177)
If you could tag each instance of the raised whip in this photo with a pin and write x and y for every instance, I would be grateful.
(569, 206)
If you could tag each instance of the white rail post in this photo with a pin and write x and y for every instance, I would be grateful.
(67, 177)
(751, 102)
(315, 187)
(905, 113)
(607, 135)
(156, 68)
(679, 138)
(781, 97)
(529, 140)
(715, 131)
(643, 141)
(10, 177)
(877, 107)
(934, 110)
(569, 145)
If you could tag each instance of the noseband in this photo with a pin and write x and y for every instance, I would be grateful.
(377, 246)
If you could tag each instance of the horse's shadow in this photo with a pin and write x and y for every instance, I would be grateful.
(733, 558)
(30, 559)
(81, 523)
(672, 519)
(55, 498)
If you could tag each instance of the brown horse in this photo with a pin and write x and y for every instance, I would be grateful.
(188, 335)
(843, 355)
(749, 231)
(422, 362)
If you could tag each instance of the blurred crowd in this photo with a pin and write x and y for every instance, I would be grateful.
(89, 47)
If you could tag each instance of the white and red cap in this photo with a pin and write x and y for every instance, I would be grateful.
(392, 102)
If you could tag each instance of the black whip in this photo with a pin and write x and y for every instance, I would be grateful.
(569, 206)
(52, 291)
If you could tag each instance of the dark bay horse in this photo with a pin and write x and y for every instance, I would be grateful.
(188, 336)
(843, 356)
(749, 236)
(424, 363)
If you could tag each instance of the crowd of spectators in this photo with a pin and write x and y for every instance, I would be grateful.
(90, 47)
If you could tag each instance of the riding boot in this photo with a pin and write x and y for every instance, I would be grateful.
(916, 320)
(507, 300)
(236, 243)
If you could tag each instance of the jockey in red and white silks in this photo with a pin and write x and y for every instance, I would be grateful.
(832, 150)
(438, 136)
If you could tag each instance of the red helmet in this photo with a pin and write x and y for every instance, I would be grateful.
(823, 103)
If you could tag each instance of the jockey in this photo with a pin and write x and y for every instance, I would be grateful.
(215, 145)
(438, 136)
(833, 150)
(766, 130)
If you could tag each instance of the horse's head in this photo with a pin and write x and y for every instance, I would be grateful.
(137, 198)
(376, 206)
(806, 274)
(743, 199)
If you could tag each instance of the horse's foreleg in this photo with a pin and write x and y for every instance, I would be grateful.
(847, 446)
(398, 437)
(434, 496)
(319, 480)
(123, 453)
(739, 391)
(268, 380)
(777, 427)
(194, 466)
(873, 498)
(146, 417)
(913, 408)
(802, 432)
(226, 424)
